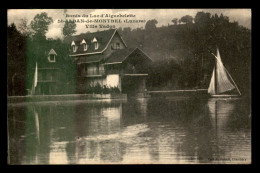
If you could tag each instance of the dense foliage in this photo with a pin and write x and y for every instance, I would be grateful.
(16, 64)
(69, 28)
(98, 89)
(181, 50)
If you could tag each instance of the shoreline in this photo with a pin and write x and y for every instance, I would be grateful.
(178, 93)
(65, 97)
(168, 94)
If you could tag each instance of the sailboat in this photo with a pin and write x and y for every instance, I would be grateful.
(221, 83)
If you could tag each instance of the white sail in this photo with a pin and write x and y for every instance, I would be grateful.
(211, 89)
(36, 76)
(220, 81)
(35, 79)
(223, 82)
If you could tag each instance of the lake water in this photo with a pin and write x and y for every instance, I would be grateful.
(135, 131)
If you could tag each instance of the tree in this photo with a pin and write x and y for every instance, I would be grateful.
(187, 19)
(69, 28)
(202, 18)
(40, 24)
(24, 27)
(175, 21)
(16, 61)
(223, 19)
(151, 25)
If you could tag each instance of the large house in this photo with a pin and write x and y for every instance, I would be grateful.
(103, 58)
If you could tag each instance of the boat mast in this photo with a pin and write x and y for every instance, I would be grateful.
(227, 73)
(215, 76)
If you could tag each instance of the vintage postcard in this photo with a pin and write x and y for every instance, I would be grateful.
(129, 86)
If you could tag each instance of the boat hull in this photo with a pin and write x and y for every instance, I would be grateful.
(223, 96)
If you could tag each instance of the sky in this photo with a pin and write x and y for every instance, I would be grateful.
(163, 16)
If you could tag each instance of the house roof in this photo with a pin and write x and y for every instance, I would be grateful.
(121, 55)
(52, 52)
(90, 58)
(103, 38)
(118, 56)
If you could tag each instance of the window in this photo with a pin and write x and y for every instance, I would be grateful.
(74, 48)
(85, 46)
(96, 45)
(94, 40)
(115, 46)
(84, 43)
(97, 69)
(86, 68)
(52, 58)
(78, 70)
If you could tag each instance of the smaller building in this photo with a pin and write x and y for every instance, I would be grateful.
(128, 69)
(47, 74)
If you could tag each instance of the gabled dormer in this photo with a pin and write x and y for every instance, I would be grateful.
(85, 46)
(73, 45)
(94, 40)
(96, 44)
(52, 56)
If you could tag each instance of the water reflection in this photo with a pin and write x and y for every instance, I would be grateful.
(134, 131)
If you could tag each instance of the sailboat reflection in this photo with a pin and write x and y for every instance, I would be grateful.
(222, 116)
(37, 125)
(220, 110)
(98, 141)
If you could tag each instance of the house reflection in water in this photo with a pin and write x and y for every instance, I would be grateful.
(97, 130)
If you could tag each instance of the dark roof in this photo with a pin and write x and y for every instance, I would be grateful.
(121, 55)
(52, 51)
(90, 58)
(118, 56)
(103, 38)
